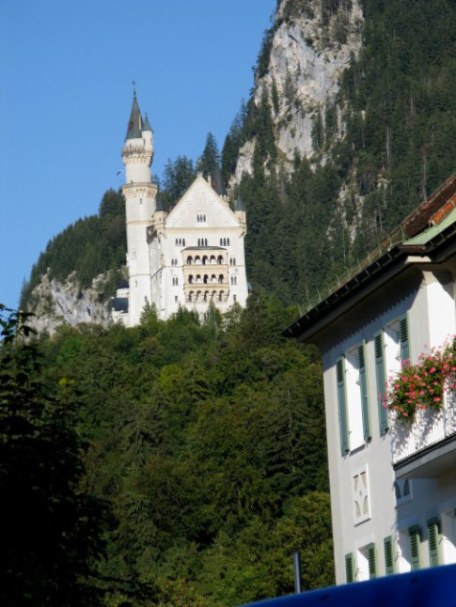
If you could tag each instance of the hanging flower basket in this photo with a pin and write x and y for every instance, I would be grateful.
(421, 386)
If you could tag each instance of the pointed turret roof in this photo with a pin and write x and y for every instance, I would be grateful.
(135, 122)
(146, 124)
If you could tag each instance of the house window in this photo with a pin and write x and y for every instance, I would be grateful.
(341, 399)
(367, 562)
(448, 545)
(388, 549)
(414, 547)
(396, 344)
(403, 490)
(349, 568)
(434, 539)
(353, 399)
(381, 379)
(392, 350)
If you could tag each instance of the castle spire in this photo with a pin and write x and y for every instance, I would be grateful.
(135, 122)
(146, 124)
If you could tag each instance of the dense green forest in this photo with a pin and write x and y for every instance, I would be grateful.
(203, 444)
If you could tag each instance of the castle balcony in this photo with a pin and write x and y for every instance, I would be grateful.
(206, 293)
(426, 447)
(204, 256)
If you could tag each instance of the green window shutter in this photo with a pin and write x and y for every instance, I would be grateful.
(371, 557)
(343, 425)
(404, 338)
(389, 555)
(364, 395)
(434, 536)
(380, 377)
(415, 539)
(349, 568)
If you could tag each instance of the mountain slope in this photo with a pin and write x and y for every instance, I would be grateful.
(330, 159)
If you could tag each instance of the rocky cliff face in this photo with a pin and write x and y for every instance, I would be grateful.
(56, 303)
(309, 50)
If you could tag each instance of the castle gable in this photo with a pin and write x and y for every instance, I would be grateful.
(201, 206)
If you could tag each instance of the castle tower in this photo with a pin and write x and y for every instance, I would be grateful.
(139, 192)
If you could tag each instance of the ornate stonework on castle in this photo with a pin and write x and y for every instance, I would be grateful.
(185, 258)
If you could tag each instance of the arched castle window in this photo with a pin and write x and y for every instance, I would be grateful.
(198, 260)
(198, 278)
(220, 295)
(213, 259)
(220, 260)
(198, 295)
(190, 279)
(190, 296)
(189, 260)
(205, 258)
(220, 278)
(206, 293)
(205, 279)
(213, 278)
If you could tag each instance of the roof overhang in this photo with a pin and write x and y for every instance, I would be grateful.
(398, 259)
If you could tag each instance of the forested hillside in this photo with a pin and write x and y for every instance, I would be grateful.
(206, 445)
(378, 146)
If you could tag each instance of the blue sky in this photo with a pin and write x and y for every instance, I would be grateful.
(66, 69)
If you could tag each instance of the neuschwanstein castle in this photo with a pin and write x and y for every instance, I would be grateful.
(188, 257)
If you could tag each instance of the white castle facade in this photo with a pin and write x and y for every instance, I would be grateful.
(189, 257)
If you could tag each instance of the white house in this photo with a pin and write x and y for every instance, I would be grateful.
(190, 257)
(393, 483)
